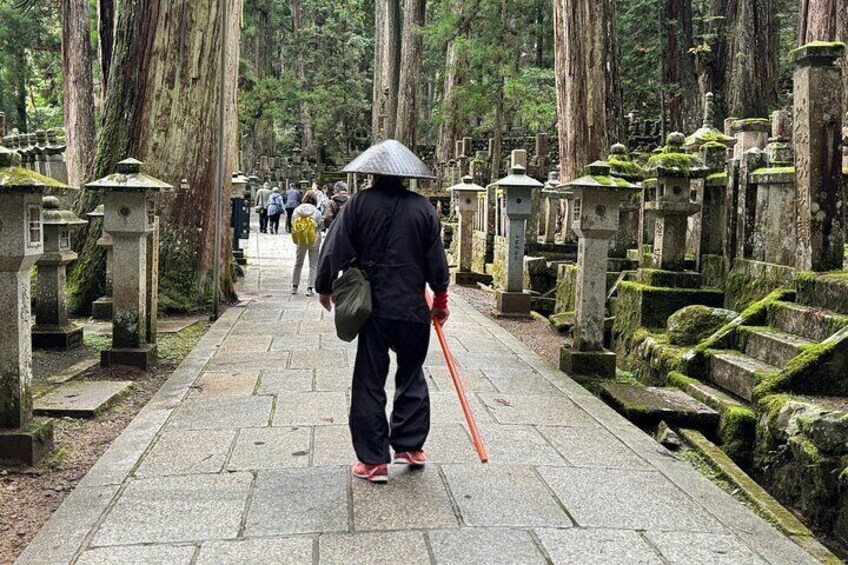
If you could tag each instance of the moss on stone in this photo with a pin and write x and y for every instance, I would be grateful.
(693, 324)
(737, 432)
(682, 162)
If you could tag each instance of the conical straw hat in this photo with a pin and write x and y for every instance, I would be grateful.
(390, 158)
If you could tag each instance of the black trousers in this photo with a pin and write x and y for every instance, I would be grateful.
(274, 222)
(263, 220)
(289, 214)
(410, 422)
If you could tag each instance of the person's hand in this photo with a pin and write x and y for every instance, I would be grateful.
(326, 301)
(441, 315)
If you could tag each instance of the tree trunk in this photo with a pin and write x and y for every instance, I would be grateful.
(386, 68)
(825, 20)
(300, 72)
(683, 96)
(106, 27)
(161, 108)
(411, 71)
(77, 59)
(540, 33)
(742, 72)
(588, 89)
(450, 129)
(20, 74)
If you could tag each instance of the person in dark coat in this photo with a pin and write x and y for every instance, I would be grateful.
(293, 200)
(395, 236)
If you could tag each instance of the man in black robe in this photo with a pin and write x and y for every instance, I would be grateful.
(395, 236)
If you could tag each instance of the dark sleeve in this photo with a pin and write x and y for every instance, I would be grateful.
(438, 273)
(337, 253)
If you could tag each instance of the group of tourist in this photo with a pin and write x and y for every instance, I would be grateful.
(308, 216)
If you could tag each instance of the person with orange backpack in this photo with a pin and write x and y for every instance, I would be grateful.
(307, 225)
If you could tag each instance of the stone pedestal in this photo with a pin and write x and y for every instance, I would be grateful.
(597, 198)
(818, 172)
(130, 220)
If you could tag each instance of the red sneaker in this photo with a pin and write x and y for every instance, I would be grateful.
(373, 473)
(411, 458)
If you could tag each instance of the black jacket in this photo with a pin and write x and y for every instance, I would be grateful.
(414, 255)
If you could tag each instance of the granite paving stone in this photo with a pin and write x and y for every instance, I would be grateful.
(592, 447)
(216, 385)
(518, 445)
(281, 381)
(80, 399)
(524, 382)
(472, 380)
(414, 499)
(450, 443)
(271, 448)
(680, 548)
(139, 555)
(379, 548)
(317, 359)
(222, 413)
(299, 501)
(484, 545)
(508, 496)
(610, 547)
(276, 551)
(177, 509)
(332, 446)
(619, 498)
(311, 409)
(295, 342)
(246, 344)
(187, 452)
(536, 409)
(446, 409)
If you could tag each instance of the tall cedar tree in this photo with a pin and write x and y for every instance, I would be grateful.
(160, 108)
(77, 61)
(387, 45)
(411, 69)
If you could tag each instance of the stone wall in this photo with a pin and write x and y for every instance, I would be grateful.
(750, 281)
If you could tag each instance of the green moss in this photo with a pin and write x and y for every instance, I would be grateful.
(737, 433)
(809, 371)
(693, 324)
(611, 181)
(98, 342)
(19, 177)
(621, 167)
(717, 177)
(682, 162)
(681, 381)
(714, 143)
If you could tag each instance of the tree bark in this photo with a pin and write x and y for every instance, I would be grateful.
(411, 71)
(683, 96)
(77, 59)
(825, 20)
(106, 27)
(386, 68)
(161, 108)
(306, 128)
(742, 72)
(588, 88)
(450, 128)
(21, 73)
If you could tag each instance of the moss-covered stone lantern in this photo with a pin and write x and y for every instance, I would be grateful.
(21, 244)
(596, 201)
(466, 195)
(131, 220)
(518, 191)
(52, 328)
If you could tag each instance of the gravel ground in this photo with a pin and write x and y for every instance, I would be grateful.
(29, 496)
(534, 333)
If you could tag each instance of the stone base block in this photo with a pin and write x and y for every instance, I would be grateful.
(597, 364)
(142, 358)
(512, 304)
(648, 406)
(101, 309)
(469, 278)
(28, 445)
(57, 337)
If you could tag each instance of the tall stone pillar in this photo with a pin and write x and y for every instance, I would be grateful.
(130, 219)
(518, 191)
(52, 328)
(597, 197)
(21, 244)
(818, 172)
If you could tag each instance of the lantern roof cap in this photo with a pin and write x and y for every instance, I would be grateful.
(53, 215)
(599, 176)
(129, 178)
(518, 178)
(14, 178)
(467, 185)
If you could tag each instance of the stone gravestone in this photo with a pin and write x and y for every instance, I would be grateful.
(101, 309)
(52, 327)
(597, 198)
(21, 244)
(130, 220)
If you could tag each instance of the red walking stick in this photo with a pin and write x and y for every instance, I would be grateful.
(469, 416)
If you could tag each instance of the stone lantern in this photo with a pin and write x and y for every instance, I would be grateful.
(131, 221)
(595, 210)
(240, 216)
(553, 194)
(56, 167)
(101, 309)
(466, 196)
(52, 329)
(21, 244)
(518, 190)
(674, 171)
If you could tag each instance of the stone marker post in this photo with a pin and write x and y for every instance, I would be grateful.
(130, 220)
(52, 328)
(101, 309)
(518, 191)
(673, 204)
(467, 198)
(597, 198)
(21, 244)
(818, 160)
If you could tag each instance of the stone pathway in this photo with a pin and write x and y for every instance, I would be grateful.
(243, 457)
